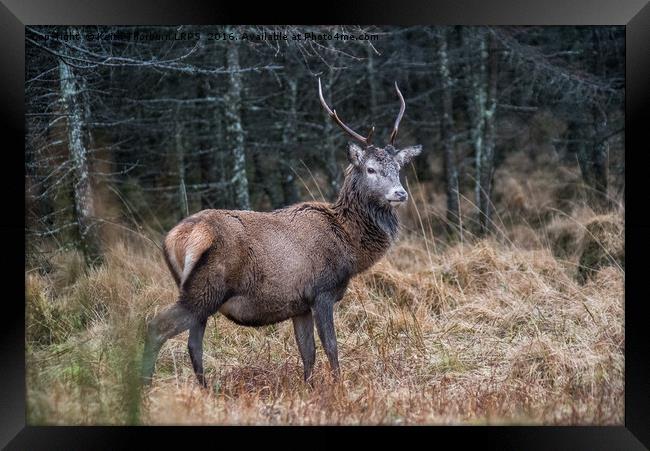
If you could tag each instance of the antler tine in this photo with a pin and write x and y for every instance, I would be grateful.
(369, 137)
(402, 107)
(334, 116)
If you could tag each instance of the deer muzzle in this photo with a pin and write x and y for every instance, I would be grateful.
(397, 196)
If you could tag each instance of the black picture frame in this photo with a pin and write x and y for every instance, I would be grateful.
(633, 14)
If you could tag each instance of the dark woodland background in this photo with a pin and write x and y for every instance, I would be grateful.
(140, 133)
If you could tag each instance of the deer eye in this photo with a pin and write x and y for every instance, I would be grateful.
(371, 171)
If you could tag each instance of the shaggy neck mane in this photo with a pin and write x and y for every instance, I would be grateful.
(371, 225)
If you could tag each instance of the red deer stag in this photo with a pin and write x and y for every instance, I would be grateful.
(262, 268)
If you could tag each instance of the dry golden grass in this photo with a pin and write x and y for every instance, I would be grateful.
(480, 332)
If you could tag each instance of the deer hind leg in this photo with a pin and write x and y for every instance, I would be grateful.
(195, 348)
(172, 321)
(303, 328)
(202, 292)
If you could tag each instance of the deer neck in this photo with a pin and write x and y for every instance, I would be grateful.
(371, 226)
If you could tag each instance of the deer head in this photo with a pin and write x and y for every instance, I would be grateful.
(377, 167)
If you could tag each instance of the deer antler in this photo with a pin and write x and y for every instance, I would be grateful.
(334, 116)
(402, 107)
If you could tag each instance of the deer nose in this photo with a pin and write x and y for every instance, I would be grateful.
(398, 195)
(401, 195)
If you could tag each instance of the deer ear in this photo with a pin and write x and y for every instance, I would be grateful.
(355, 153)
(404, 156)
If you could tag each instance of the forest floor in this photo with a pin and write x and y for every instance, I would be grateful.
(523, 328)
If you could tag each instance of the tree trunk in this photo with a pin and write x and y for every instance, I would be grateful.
(593, 160)
(576, 144)
(476, 109)
(207, 140)
(289, 145)
(482, 114)
(587, 140)
(447, 136)
(421, 164)
(84, 206)
(234, 129)
(331, 164)
(268, 178)
(180, 167)
(599, 146)
(372, 82)
(220, 154)
(486, 176)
